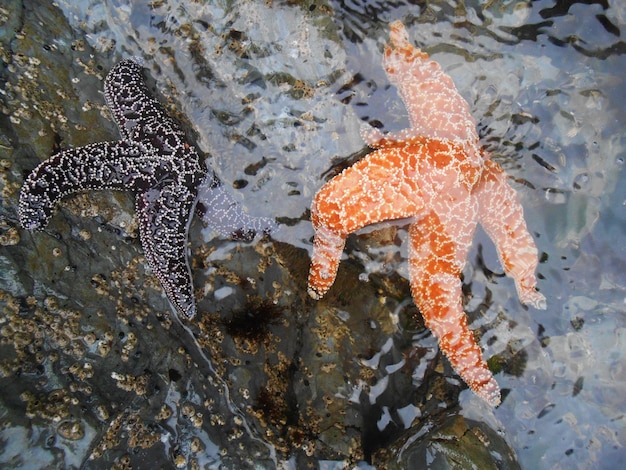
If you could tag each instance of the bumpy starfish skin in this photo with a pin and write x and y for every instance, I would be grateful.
(436, 174)
(155, 161)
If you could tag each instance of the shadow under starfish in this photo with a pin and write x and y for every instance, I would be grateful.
(154, 160)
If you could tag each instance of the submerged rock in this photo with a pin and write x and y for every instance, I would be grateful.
(455, 442)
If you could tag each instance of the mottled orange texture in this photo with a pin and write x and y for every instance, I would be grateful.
(436, 174)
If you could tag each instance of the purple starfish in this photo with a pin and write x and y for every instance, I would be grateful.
(154, 160)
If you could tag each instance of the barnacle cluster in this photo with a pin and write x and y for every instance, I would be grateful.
(38, 337)
(133, 428)
(27, 91)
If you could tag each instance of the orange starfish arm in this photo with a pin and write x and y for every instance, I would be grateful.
(435, 106)
(381, 186)
(502, 217)
(435, 263)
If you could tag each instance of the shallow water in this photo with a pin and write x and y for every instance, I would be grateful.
(275, 92)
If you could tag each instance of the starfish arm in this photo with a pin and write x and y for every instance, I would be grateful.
(435, 263)
(108, 165)
(381, 186)
(218, 209)
(327, 249)
(164, 216)
(502, 217)
(435, 106)
(138, 115)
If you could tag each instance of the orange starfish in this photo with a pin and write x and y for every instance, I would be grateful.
(436, 174)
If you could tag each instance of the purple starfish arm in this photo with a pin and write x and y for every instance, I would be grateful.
(218, 209)
(164, 216)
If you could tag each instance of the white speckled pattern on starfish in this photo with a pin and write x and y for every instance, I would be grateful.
(155, 161)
